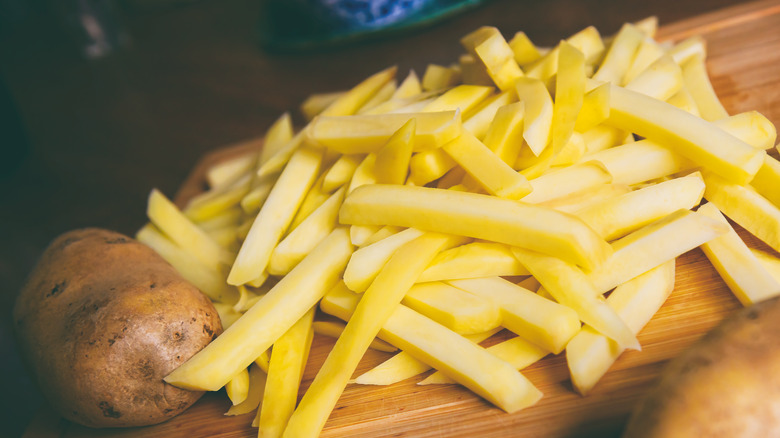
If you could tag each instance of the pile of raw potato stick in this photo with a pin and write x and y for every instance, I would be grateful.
(545, 191)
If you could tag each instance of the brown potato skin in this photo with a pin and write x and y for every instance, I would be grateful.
(725, 385)
(101, 320)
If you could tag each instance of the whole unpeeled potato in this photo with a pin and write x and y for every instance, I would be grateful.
(726, 385)
(101, 320)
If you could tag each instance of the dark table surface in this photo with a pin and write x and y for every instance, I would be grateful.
(83, 141)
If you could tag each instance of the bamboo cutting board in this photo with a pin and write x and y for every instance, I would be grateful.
(744, 63)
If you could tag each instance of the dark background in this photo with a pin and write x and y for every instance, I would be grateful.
(83, 141)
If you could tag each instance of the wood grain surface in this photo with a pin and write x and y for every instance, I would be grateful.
(743, 61)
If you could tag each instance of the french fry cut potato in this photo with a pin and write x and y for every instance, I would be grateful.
(392, 160)
(640, 161)
(590, 354)
(275, 215)
(505, 133)
(403, 365)
(569, 94)
(368, 133)
(661, 80)
(288, 359)
(497, 177)
(618, 58)
(454, 308)
(652, 245)
(366, 262)
(545, 323)
(257, 379)
(479, 119)
(375, 307)
(737, 265)
(237, 388)
(479, 216)
(618, 216)
(767, 180)
(698, 83)
(770, 262)
(473, 260)
(538, 113)
(567, 181)
(268, 319)
(352, 100)
(516, 351)
(696, 139)
(463, 97)
(745, 206)
(572, 288)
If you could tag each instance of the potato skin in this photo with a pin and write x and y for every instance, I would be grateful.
(101, 320)
(725, 385)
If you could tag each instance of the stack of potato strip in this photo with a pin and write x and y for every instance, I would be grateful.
(544, 191)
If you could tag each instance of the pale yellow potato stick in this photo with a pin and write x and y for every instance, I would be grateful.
(313, 199)
(352, 100)
(427, 166)
(181, 230)
(572, 288)
(380, 234)
(702, 142)
(392, 160)
(247, 296)
(649, 51)
(315, 103)
(366, 262)
(341, 172)
(410, 104)
(456, 309)
(615, 217)
(368, 133)
(276, 137)
(767, 180)
(602, 137)
(493, 174)
(403, 366)
(473, 260)
(688, 48)
(206, 278)
(288, 360)
(579, 201)
(438, 77)
(478, 121)
(566, 181)
(463, 97)
(697, 81)
(640, 161)
(499, 60)
(590, 354)
(737, 265)
(588, 41)
(751, 127)
(648, 26)
(524, 50)
(652, 245)
(595, 109)
(745, 206)
(661, 80)
(268, 319)
(569, 94)
(375, 307)
(256, 388)
(334, 329)
(301, 240)
(215, 201)
(227, 171)
(505, 135)
(460, 359)
(237, 388)
(228, 218)
(538, 106)
(275, 215)
(517, 352)
(478, 216)
(617, 60)
(545, 323)
(263, 361)
(571, 152)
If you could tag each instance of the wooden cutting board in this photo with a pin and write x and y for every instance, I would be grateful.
(744, 63)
